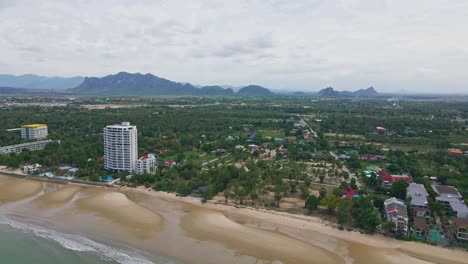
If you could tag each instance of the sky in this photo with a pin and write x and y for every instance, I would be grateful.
(394, 45)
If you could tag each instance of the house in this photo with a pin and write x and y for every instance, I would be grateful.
(388, 180)
(396, 213)
(163, 150)
(460, 230)
(30, 169)
(283, 151)
(455, 151)
(230, 138)
(466, 154)
(380, 128)
(350, 193)
(419, 209)
(265, 145)
(170, 163)
(372, 157)
(452, 200)
(252, 136)
(278, 140)
(418, 194)
(344, 156)
(240, 147)
(221, 150)
(146, 164)
(72, 171)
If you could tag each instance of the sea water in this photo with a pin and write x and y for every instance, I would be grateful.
(26, 243)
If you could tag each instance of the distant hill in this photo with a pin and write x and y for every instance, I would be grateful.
(32, 81)
(14, 90)
(254, 90)
(329, 92)
(124, 83)
(215, 90)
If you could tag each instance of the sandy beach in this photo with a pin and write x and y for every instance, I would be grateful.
(192, 232)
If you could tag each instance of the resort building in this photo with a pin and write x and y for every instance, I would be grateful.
(397, 214)
(31, 146)
(388, 180)
(146, 164)
(452, 200)
(419, 209)
(460, 227)
(120, 147)
(30, 169)
(34, 132)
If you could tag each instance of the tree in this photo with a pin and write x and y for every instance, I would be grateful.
(278, 198)
(305, 192)
(353, 184)
(344, 208)
(366, 216)
(312, 203)
(307, 182)
(398, 189)
(321, 177)
(322, 193)
(330, 202)
(227, 195)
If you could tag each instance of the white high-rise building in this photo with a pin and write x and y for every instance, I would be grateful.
(120, 147)
(146, 164)
(34, 131)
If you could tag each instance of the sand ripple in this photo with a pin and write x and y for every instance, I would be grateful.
(117, 208)
(12, 189)
(265, 245)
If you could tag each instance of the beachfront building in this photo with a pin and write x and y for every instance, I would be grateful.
(396, 213)
(419, 209)
(120, 147)
(452, 200)
(460, 227)
(34, 132)
(31, 169)
(31, 146)
(146, 164)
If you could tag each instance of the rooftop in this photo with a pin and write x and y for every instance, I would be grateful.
(393, 206)
(34, 125)
(460, 222)
(446, 189)
(418, 194)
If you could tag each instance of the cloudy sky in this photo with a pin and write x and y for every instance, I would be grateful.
(393, 45)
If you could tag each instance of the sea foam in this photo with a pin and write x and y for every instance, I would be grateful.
(81, 244)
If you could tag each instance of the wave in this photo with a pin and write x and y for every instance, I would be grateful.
(81, 244)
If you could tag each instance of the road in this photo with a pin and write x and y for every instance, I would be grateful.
(345, 169)
(314, 134)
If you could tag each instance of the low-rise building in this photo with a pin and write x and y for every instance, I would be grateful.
(31, 169)
(460, 229)
(170, 163)
(31, 146)
(452, 200)
(388, 180)
(396, 213)
(146, 164)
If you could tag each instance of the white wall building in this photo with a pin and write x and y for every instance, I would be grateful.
(120, 147)
(396, 213)
(34, 132)
(146, 164)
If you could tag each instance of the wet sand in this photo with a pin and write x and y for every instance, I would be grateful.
(12, 189)
(192, 232)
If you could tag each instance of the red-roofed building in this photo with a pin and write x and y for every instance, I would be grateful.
(146, 164)
(350, 193)
(164, 149)
(170, 163)
(388, 180)
(380, 128)
(455, 151)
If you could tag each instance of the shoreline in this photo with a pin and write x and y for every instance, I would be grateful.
(300, 227)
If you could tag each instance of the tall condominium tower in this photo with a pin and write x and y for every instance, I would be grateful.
(120, 147)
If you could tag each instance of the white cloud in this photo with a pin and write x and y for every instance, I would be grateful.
(418, 45)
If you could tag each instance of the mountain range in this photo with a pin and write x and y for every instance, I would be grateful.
(32, 81)
(137, 84)
(329, 92)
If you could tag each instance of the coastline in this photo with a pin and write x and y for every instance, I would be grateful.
(352, 246)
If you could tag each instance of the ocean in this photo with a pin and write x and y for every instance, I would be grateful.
(26, 243)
